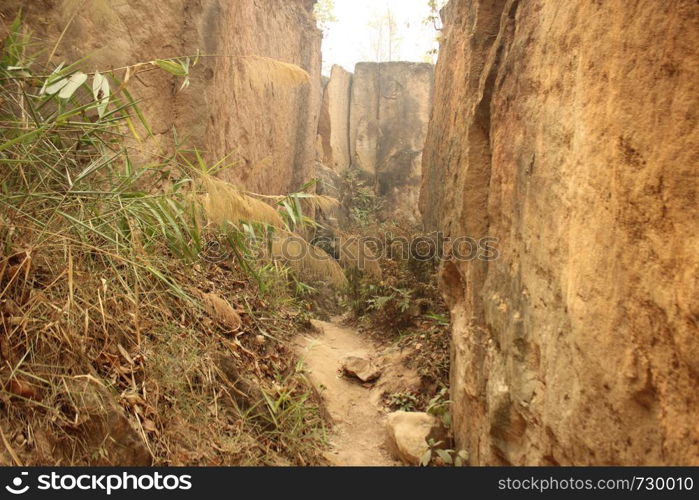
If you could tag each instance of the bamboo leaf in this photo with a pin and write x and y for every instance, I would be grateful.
(72, 84)
(52, 80)
(290, 211)
(171, 67)
(141, 117)
(100, 91)
(426, 458)
(445, 456)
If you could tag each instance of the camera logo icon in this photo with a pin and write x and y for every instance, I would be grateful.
(16, 488)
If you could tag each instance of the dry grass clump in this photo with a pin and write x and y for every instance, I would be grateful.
(310, 262)
(356, 255)
(323, 202)
(260, 72)
(225, 203)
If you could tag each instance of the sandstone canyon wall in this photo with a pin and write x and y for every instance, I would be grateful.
(248, 106)
(568, 130)
(334, 132)
(377, 123)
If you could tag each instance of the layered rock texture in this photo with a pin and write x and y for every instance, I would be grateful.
(568, 130)
(377, 122)
(333, 128)
(241, 100)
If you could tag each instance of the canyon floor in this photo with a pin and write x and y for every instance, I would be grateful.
(358, 435)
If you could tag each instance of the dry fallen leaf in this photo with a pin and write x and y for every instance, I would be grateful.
(125, 353)
(149, 425)
(23, 389)
(221, 310)
(133, 398)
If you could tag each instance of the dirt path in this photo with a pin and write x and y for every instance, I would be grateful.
(358, 435)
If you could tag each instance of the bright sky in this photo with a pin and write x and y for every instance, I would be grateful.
(351, 38)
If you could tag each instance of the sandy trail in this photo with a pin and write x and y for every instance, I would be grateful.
(358, 435)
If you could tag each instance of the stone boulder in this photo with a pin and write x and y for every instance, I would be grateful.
(323, 152)
(408, 434)
(360, 368)
(364, 124)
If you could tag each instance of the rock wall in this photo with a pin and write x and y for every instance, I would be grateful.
(378, 124)
(364, 118)
(568, 130)
(336, 104)
(323, 150)
(249, 107)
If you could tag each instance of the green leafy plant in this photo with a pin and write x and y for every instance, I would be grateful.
(439, 406)
(292, 416)
(445, 456)
(403, 401)
(359, 198)
(440, 319)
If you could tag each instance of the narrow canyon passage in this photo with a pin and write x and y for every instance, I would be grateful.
(356, 378)
(358, 433)
(183, 222)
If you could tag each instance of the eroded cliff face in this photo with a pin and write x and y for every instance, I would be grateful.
(247, 107)
(568, 130)
(334, 131)
(376, 121)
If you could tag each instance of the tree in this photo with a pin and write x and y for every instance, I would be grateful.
(324, 13)
(434, 19)
(384, 42)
